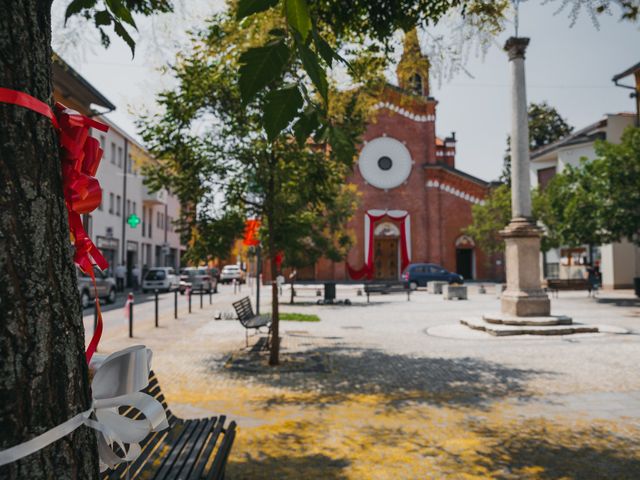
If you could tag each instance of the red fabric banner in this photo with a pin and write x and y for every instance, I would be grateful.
(368, 269)
(81, 155)
(251, 228)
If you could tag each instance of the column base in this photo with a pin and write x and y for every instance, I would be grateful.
(526, 304)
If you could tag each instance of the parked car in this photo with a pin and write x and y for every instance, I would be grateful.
(418, 274)
(106, 287)
(199, 278)
(230, 273)
(160, 278)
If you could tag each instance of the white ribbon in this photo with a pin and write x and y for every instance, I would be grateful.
(117, 383)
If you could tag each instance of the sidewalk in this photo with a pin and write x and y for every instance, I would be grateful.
(367, 393)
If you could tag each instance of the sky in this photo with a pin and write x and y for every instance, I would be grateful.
(568, 67)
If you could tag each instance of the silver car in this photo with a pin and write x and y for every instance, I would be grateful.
(105, 286)
(199, 278)
(232, 272)
(162, 279)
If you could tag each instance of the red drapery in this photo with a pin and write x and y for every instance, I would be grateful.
(368, 269)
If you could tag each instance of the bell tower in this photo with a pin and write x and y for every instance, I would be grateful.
(413, 68)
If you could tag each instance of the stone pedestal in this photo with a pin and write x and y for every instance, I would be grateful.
(435, 287)
(524, 296)
(449, 292)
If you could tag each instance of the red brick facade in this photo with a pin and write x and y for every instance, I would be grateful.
(437, 197)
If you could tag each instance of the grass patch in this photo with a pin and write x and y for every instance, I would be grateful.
(299, 317)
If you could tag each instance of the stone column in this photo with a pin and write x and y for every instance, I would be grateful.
(524, 296)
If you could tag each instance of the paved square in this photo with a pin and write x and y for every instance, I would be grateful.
(393, 398)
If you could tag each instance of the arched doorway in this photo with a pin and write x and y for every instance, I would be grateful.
(386, 252)
(465, 258)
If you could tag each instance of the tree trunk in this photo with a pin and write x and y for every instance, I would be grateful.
(293, 292)
(270, 213)
(43, 373)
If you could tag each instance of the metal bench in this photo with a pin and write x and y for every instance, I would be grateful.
(554, 285)
(385, 288)
(250, 320)
(188, 449)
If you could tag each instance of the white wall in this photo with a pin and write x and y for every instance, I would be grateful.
(107, 225)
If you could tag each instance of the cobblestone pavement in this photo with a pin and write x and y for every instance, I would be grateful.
(370, 393)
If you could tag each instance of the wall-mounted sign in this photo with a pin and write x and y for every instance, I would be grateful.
(133, 220)
(107, 243)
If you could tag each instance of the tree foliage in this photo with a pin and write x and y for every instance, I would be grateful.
(546, 126)
(214, 153)
(116, 13)
(597, 201)
(489, 218)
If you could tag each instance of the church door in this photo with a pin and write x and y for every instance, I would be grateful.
(386, 258)
(464, 262)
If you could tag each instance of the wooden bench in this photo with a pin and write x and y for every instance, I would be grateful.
(188, 449)
(384, 288)
(250, 320)
(554, 285)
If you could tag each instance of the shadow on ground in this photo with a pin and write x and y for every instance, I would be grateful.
(286, 466)
(396, 379)
(544, 451)
(620, 302)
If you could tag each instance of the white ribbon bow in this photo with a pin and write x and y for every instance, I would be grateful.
(117, 383)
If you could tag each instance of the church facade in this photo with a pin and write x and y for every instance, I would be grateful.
(414, 203)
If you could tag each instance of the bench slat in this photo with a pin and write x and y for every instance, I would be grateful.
(185, 451)
(176, 448)
(220, 462)
(198, 470)
(194, 448)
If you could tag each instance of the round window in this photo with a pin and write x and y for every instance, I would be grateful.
(385, 162)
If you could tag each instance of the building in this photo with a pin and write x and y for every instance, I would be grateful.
(619, 262)
(414, 203)
(132, 226)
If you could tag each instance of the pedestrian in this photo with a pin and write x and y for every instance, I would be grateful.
(121, 272)
(592, 279)
(136, 277)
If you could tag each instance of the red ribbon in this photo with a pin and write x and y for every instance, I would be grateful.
(81, 155)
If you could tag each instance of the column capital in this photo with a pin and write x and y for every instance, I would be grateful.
(516, 46)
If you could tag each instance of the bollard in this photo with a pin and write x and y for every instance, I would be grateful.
(234, 286)
(130, 301)
(189, 295)
(175, 304)
(201, 293)
(156, 292)
(210, 293)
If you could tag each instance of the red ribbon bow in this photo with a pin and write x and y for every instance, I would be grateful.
(81, 155)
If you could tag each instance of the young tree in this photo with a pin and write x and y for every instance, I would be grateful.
(212, 147)
(546, 126)
(489, 218)
(43, 373)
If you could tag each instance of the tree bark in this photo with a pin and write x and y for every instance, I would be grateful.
(274, 357)
(43, 373)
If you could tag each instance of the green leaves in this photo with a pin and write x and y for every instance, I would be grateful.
(123, 34)
(308, 122)
(314, 70)
(116, 12)
(249, 7)
(76, 6)
(280, 109)
(298, 18)
(260, 66)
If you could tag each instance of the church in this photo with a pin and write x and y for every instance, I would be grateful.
(414, 202)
